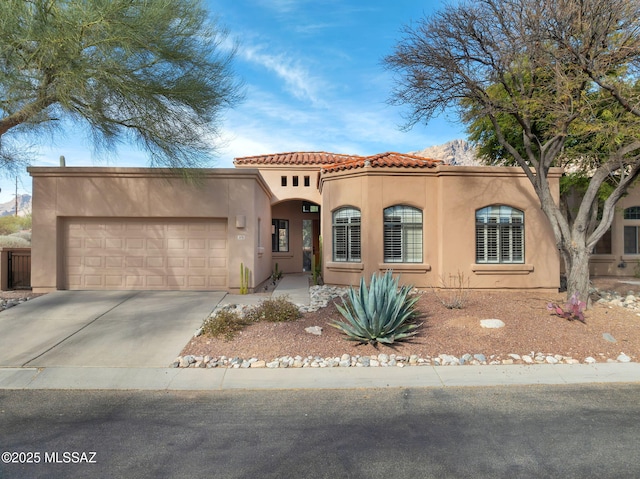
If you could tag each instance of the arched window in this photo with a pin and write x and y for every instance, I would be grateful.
(631, 231)
(499, 235)
(346, 235)
(402, 234)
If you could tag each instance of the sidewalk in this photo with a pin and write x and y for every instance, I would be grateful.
(161, 379)
(296, 287)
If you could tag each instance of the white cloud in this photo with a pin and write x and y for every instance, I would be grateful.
(280, 6)
(298, 81)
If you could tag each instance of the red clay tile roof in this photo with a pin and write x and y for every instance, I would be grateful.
(384, 159)
(296, 158)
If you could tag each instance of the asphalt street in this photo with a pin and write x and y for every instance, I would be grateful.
(581, 431)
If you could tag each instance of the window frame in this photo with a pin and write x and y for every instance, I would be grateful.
(503, 240)
(403, 234)
(631, 217)
(351, 245)
(277, 227)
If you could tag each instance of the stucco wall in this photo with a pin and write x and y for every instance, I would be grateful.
(272, 176)
(237, 196)
(448, 197)
(617, 262)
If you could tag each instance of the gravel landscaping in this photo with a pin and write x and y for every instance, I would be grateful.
(530, 335)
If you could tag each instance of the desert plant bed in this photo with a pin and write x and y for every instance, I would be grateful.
(529, 328)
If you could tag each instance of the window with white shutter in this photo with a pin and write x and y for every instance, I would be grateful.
(499, 235)
(346, 235)
(402, 234)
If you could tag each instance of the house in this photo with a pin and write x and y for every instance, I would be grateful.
(618, 251)
(143, 228)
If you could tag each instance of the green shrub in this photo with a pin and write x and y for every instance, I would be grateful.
(12, 224)
(224, 323)
(382, 313)
(14, 242)
(276, 310)
(25, 235)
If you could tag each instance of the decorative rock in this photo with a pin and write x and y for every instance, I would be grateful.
(515, 357)
(609, 337)
(551, 360)
(258, 364)
(589, 360)
(623, 358)
(184, 362)
(480, 357)
(527, 359)
(317, 330)
(447, 359)
(492, 323)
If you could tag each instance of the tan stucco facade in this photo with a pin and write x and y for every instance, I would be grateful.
(141, 228)
(610, 257)
(237, 199)
(448, 197)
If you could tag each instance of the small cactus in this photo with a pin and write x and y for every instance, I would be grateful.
(244, 279)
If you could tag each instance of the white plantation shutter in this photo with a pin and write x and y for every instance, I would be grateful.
(499, 235)
(402, 235)
(392, 239)
(346, 235)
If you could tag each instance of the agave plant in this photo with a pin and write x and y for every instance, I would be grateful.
(380, 313)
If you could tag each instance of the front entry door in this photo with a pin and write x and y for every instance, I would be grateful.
(310, 242)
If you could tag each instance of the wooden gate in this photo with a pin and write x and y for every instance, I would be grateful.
(19, 266)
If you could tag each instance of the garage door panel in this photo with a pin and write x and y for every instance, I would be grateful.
(114, 243)
(114, 281)
(145, 254)
(93, 281)
(114, 262)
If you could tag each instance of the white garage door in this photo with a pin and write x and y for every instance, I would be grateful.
(133, 253)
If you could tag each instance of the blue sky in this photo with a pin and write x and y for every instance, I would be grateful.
(313, 81)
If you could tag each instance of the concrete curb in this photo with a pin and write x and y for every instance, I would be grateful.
(161, 379)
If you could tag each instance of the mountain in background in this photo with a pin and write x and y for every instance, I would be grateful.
(455, 152)
(24, 206)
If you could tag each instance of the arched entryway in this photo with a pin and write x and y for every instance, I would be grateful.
(295, 235)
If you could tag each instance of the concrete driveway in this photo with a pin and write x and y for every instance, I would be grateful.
(102, 328)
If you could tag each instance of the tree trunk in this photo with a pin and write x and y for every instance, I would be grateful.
(577, 269)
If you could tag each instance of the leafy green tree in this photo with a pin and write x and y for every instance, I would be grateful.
(155, 73)
(588, 144)
(510, 67)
